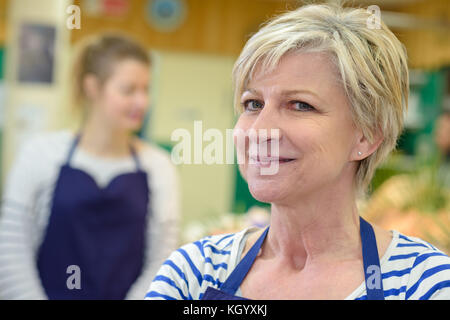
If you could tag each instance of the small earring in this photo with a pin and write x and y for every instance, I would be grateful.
(359, 153)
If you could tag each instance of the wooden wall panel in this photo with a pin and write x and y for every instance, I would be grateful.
(428, 47)
(3, 24)
(211, 26)
(222, 27)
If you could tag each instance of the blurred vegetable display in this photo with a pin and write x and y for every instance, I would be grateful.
(415, 203)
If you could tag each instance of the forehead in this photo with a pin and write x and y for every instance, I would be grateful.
(309, 70)
(130, 69)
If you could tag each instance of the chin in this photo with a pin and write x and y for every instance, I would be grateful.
(131, 125)
(266, 191)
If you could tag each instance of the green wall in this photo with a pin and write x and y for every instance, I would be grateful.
(2, 54)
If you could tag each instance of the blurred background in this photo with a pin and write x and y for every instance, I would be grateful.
(194, 44)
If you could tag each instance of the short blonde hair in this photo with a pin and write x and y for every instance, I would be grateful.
(371, 62)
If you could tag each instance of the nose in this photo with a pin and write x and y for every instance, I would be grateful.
(142, 99)
(266, 125)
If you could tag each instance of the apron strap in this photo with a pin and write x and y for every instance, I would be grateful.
(77, 140)
(135, 158)
(371, 261)
(235, 279)
(73, 147)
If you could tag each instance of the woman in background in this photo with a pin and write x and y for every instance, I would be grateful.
(91, 215)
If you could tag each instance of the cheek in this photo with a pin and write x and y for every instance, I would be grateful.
(331, 150)
(307, 136)
(319, 145)
(240, 145)
(115, 103)
(244, 123)
(240, 134)
(241, 142)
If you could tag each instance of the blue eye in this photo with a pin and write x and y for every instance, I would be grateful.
(302, 106)
(253, 105)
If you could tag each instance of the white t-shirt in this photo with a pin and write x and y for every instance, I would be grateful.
(27, 201)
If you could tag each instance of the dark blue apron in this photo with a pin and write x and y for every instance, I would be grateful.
(371, 261)
(100, 231)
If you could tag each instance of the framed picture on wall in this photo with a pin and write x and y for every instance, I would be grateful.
(36, 53)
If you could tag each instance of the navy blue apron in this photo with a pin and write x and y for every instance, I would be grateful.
(100, 231)
(371, 261)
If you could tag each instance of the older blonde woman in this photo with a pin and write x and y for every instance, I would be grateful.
(336, 91)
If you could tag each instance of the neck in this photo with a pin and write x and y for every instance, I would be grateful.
(322, 227)
(104, 140)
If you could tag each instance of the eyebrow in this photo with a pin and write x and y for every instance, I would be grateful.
(284, 92)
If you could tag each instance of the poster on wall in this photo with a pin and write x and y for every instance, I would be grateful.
(36, 53)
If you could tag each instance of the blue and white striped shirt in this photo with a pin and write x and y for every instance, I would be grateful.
(411, 269)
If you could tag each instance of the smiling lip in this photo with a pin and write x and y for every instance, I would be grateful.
(267, 161)
(136, 115)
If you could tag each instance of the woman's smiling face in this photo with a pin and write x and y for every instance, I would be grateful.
(304, 100)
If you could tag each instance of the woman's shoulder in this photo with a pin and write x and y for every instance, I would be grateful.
(152, 155)
(406, 246)
(423, 268)
(36, 163)
(193, 267)
(46, 148)
(218, 247)
(48, 142)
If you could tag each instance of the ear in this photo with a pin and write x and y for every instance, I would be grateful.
(363, 147)
(91, 87)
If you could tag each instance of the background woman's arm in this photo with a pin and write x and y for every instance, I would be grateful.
(19, 277)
